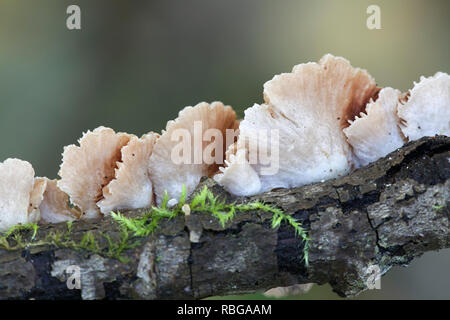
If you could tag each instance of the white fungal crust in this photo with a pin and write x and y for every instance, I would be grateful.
(55, 206)
(131, 188)
(86, 169)
(18, 194)
(427, 109)
(308, 108)
(180, 154)
(376, 132)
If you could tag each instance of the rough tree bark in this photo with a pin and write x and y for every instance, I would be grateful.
(385, 214)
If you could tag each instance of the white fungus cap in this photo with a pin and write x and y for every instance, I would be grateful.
(238, 176)
(427, 109)
(88, 168)
(376, 133)
(309, 107)
(170, 175)
(20, 193)
(55, 207)
(131, 188)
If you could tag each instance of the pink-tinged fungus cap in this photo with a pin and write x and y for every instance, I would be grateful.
(427, 109)
(376, 132)
(55, 206)
(307, 109)
(131, 188)
(88, 168)
(179, 154)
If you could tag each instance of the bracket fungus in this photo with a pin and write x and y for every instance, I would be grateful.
(318, 122)
(308, 108)
(36, 198)
(238, 176)
(426, 111)
(55, 207)
(376, 132)
(192, 146)
(88, 168)
(20, 193)
(131, 187)
(394, 119)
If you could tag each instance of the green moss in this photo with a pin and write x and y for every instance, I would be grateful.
(131, 229)
(22, 227)
(116, 248)
(205, 201)
(13, 239)
(18, 238)
(69, 226)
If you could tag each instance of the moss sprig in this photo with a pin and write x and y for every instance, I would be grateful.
(131, 229)
(206, 201)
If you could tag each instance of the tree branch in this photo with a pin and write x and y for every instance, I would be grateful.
(382, 215)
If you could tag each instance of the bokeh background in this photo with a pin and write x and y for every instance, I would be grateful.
(135, 64)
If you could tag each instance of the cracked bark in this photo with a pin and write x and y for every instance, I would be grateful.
(385, 214)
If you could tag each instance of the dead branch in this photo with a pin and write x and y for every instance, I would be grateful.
(383, 215)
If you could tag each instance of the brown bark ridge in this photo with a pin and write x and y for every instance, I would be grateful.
(382, 215)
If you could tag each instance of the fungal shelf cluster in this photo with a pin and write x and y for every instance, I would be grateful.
(324, 120)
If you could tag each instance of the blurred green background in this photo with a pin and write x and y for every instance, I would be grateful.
(135, 64)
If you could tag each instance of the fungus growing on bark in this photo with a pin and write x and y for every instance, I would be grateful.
(88, 168)
(36, 198)
(55, 207)
(131, 188)
(376, 132)
(307, 109)
(317, 123)
(238, 175)
(192, 146)
(20, 193)
(426, 111)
